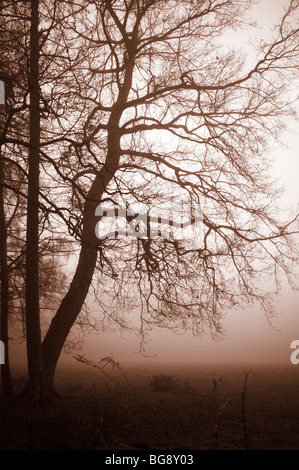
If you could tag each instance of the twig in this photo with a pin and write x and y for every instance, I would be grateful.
(217, 421)
(243, 395)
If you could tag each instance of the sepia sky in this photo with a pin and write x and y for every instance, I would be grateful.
(249, 338)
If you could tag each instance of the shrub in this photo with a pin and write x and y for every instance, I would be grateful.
(163, 383)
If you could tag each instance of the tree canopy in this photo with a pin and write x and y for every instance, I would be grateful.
(141, 104)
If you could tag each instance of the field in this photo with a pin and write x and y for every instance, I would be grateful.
(160, 407)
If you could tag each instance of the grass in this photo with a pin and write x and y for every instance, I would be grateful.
(201, 409)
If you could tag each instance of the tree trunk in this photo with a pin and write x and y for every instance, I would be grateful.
(33, 331)
(5, 368)
(72, 303)
(75, 297)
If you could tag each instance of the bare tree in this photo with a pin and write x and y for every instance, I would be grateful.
(33, 329)
(28, 263)
(5, 368)
(141, 103)
(11, 180)
(164, 113)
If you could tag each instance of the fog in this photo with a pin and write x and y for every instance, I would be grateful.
(249, 338)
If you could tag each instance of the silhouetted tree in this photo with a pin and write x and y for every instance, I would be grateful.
(33, 330)
(5, 368)
(25, 270)
(11, 63)
(141, 103)
(155, 111)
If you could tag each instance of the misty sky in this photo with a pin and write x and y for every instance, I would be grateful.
(249, 337)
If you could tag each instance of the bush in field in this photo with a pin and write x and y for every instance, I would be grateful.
(163, 383)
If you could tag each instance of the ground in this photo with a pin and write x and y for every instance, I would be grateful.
(203, 408)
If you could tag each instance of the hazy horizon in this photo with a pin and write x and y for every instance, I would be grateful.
(249, 339)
